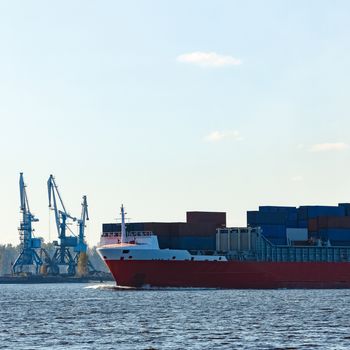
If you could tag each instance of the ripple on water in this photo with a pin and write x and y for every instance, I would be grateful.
(102, 316)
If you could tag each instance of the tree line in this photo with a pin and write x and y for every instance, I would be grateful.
(9, 253)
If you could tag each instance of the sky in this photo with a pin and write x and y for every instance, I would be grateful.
(171, 106)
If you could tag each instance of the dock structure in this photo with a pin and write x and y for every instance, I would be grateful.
(70, 255)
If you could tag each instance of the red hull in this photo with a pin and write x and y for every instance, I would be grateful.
(232, 274)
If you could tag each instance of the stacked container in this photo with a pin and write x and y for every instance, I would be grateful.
(273, 222)
(198, 233)
(322, 222)
(332, 228)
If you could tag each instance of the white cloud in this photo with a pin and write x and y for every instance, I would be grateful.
(217, 136)
(324, 147)
(297, 178)
(208, 59)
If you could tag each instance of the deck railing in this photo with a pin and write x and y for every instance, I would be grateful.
(128, 234)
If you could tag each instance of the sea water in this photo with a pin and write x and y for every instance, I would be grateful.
(100, 316)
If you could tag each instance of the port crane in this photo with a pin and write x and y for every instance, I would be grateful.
(62, 255)
(81, 258)
(82, 246)
(28, 255)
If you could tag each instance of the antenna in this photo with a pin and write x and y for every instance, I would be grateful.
(123, 233)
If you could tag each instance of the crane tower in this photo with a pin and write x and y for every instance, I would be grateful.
(28, 256)
(63, 255)
(83, 263)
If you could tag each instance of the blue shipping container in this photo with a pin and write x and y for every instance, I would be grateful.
(312, 211)
(271, 218)
(165, 242)
(335, 234)
(109, 228)
(325, 211)
(303, 224)
(274, 231)
(346, 207)
(135, 226)
(293, 216)
(277, 209)
(197, 242)
(252, 217)
(302, 213)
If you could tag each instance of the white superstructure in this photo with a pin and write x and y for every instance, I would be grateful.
(143, 245)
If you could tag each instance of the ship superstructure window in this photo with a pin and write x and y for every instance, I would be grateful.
(126, 251)
(174, 257)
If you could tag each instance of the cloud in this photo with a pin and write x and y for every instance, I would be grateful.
(297, 178)
(208, 59)
(217, 136)
(324, 147)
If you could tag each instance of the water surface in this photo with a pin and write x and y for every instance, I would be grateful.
(81, 316)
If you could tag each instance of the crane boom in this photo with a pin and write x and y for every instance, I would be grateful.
(53, 203)
(28, 255)
(82, 247)
(83, 262)
(62, 254)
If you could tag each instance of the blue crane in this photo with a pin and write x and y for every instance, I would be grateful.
(81, 248)
(29, 244)
(62, 255)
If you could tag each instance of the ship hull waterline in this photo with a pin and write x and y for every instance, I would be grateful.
(231, 274)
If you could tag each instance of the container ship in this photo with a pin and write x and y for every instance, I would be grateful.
(281, 247)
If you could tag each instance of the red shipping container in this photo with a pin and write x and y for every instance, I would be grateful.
(176, 229)
(198, 229)
(312, 225)
(325, 222)
(158, 228)
(198, 217)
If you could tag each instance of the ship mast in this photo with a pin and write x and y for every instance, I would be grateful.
(123, 233)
